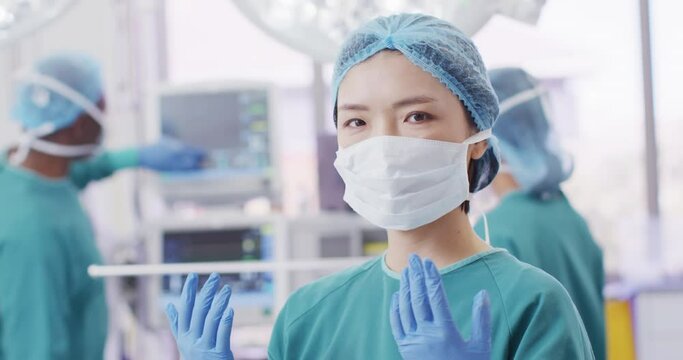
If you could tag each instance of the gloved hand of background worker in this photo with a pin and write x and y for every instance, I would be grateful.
(421, 320)
(203, 323)
(171, 155)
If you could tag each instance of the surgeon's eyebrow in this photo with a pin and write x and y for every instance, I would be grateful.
(413, 101)
(358, 107)
(399, 104)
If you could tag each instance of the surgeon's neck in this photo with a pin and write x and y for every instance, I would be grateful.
(445, 241)
(49, 166)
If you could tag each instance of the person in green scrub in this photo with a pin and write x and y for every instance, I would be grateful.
(49, 307)
(414, 109)
(534, 220)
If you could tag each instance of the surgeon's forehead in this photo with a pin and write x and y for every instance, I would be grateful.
(385, 77)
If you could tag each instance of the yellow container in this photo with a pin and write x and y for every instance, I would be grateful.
(620, 336)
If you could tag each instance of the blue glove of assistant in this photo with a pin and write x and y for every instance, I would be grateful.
(203, 325)
(421, 319)
(171, 155)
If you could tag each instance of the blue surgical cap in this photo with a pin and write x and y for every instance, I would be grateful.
(524, 133)
(35, 104)
(442, 50)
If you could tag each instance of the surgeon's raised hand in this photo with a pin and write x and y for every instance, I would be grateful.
(171, 155)
(202, 324)
(421, 319)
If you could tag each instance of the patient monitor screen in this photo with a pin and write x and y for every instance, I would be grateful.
(232, 125)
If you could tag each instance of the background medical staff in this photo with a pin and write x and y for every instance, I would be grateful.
(49, 307)
(534, 220)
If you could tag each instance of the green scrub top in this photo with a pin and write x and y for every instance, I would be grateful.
(49, 307)
(552, 236)
(346, 315)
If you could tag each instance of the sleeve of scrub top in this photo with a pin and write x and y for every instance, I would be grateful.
(552, 329)
(598, 334)
(33, 305)
(277, 348)
(102, 166)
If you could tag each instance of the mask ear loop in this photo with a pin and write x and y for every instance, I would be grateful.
(478, 137)
(519, 99)
(487, 239)
(27, 140)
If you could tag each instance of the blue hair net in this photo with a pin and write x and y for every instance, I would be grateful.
(524, 133)
(440, 49)
(36, 104)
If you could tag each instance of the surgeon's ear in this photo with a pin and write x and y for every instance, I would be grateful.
(477, 150)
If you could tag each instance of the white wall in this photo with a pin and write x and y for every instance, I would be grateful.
(8, 130)
(212, 40)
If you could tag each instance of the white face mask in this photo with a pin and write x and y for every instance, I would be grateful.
(31, 138)
(402, 183)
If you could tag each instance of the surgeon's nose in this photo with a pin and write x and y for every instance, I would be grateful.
(386, 126)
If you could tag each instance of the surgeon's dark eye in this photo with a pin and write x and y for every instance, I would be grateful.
(354, 123)
(418, 117)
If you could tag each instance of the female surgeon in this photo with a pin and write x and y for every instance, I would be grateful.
(534, 220)
(414, 108)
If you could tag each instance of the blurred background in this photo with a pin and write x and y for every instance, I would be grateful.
(249, 81)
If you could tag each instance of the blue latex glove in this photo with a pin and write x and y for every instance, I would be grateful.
(203, 325)
(171, 155)
(421, 319)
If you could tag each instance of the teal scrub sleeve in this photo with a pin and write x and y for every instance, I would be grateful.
(553, 330)
(33, 305)
(102, 166)
(278, 338)
(596, 327)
